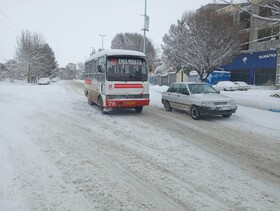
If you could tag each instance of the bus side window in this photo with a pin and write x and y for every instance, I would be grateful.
(101, 69)
(93, 68)
(101, 65)
(87, 70)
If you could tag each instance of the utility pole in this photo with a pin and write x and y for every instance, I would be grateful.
(146, 27)
(29, 73)
(102, 35)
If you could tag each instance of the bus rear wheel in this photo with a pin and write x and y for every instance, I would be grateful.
(100, 105)
(89, 100)
(138, 109)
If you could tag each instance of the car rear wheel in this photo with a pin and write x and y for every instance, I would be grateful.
(195, 113)
(226, 115)
(167, 106)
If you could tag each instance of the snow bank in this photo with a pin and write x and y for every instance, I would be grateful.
(256, 98)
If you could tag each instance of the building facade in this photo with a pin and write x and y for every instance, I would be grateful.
(258, 68)
(258, 61)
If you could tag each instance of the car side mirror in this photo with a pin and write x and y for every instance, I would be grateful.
(185, 93)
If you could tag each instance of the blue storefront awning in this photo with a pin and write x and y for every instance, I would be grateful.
(261, 59)
(252, 61)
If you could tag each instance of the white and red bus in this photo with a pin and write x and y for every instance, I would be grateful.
(117, 79)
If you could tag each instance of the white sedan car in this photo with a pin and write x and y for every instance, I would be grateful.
(226, 86)
(198, 99)
(242, 85)
(44, 81)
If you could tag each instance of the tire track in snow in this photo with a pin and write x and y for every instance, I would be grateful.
(259, 152)
(97, 154)
(10, 193)
(221, 137)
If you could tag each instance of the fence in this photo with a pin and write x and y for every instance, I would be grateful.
(163, 80)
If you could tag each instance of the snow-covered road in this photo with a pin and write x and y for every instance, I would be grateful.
(59, 153)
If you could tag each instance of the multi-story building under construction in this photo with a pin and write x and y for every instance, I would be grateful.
(259, 59)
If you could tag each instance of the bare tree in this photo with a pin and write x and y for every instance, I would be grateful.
(201, 41)
(10, 71)
(134, 41)
(34, 57)
(80, 69)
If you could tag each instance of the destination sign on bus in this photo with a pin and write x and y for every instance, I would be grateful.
(130, 61)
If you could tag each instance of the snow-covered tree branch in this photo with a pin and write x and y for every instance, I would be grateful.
(271, 8)
(202, 41)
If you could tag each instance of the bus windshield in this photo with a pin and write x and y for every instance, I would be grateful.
(126, 69)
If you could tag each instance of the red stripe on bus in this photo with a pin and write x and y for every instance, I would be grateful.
(124, 86)
(88, 81)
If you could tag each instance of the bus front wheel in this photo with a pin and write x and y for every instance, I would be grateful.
(138, 109)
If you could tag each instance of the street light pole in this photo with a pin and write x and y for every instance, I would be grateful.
(102, 35)
(146, 27)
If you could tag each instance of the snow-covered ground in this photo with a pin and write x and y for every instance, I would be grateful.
(59, 153)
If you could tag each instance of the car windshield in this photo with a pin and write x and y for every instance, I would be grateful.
(201, 88)
(126, 69)
(240, 83)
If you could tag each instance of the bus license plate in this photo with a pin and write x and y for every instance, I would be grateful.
(129, 103)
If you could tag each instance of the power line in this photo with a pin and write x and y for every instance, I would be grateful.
(14, 25)
(10, 27)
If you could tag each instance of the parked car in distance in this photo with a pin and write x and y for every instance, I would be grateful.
(226, 86)
(44, 81)
(198, 99)
(242, 85)
(54, 79)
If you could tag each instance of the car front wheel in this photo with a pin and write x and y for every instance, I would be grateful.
(195, 113)
(226, 115)
(167, 106)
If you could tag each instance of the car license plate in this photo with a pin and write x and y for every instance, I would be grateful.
(223, 108)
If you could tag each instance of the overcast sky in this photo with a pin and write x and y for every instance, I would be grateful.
(72, 28)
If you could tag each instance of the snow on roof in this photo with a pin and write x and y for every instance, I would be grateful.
(193, 72)
(116, 52)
